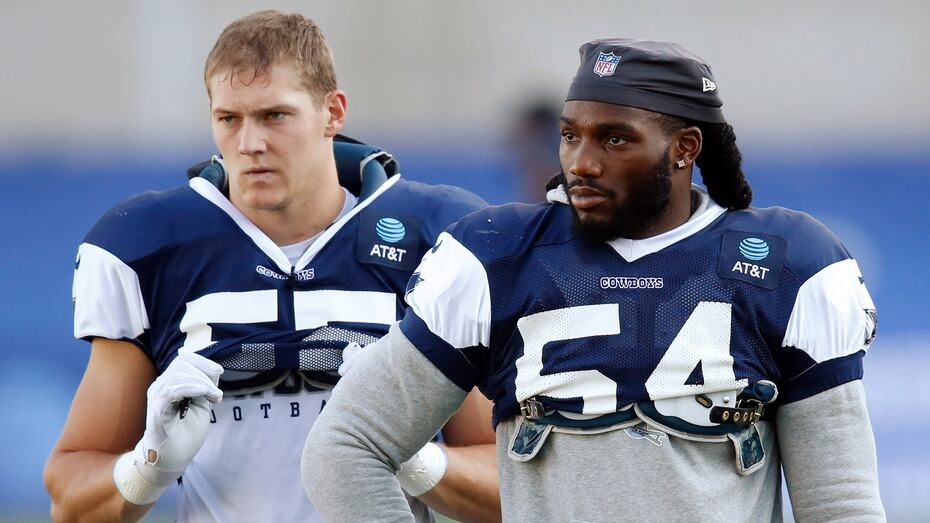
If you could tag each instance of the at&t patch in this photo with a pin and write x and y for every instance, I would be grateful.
(752, 257)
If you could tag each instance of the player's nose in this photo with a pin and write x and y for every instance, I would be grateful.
(585, 161)
(251, 139)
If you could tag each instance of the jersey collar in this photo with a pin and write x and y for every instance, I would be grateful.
(209, 191)
(706, 213)
(631, 250)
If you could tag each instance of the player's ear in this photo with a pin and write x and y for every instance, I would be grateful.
(686, 145)
(334, 105)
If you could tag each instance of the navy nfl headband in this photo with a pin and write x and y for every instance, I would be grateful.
(662, 77)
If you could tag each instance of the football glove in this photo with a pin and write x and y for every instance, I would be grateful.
(176, 422)
(419, 474)
(349, 357)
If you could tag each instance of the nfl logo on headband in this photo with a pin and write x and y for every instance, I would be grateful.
(606, 64)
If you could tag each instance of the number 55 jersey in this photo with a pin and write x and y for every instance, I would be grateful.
(184, 270)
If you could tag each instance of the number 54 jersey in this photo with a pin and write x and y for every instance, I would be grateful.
(510, 299)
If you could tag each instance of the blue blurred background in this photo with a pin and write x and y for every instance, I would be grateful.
(831, 104)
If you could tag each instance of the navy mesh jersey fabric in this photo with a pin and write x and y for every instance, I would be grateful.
(547, 268)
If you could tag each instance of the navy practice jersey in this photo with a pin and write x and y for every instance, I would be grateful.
(180, 269)
(511, 300)
(184, 270)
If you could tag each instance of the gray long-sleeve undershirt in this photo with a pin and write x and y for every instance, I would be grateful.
(381, 413)
(394, 400)
(828, 453)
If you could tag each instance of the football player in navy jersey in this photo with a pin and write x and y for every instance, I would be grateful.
(218, 312)
(643, 339)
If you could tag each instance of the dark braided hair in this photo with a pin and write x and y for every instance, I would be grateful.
(720, 161)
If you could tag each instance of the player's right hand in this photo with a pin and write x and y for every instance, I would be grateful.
(350, 356)
(188, 386)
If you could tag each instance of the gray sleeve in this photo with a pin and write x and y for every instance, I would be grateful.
(828, 453)
(381, 413)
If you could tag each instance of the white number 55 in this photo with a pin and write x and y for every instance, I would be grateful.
(311, 309)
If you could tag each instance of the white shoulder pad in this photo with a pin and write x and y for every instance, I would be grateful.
(107, 297)
(452, 295)
(833, 314)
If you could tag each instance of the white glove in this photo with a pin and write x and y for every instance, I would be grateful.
(176, 423)
(349, 357)
(419, 474)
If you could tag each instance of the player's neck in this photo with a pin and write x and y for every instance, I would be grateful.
(676, 213)
(306, 214)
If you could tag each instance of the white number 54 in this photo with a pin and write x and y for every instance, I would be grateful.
(704, 339)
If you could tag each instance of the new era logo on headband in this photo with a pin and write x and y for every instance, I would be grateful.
(708, 84)
(606, 64)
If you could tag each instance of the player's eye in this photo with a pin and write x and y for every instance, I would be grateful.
(569, 136)
(276, 115)
(228, 119)
(616, 140)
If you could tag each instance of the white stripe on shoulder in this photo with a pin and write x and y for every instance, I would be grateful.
(107, 297)
(833, 314)
(452, 295)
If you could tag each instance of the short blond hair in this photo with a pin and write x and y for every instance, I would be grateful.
(257, 42)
